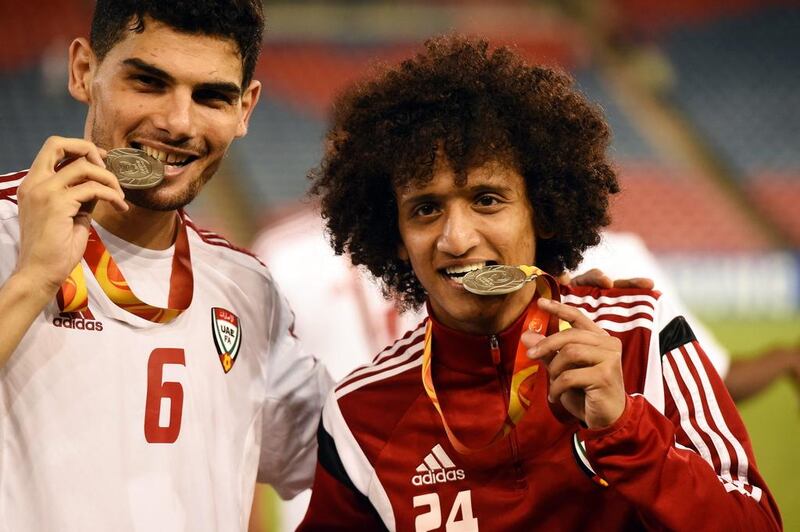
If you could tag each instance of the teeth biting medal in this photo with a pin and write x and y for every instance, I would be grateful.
(134, 168)
(499, 279)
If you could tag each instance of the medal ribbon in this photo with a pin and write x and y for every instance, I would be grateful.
(73, 296)
(523, 376)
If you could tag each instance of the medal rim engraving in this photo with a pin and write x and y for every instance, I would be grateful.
(470, 280)
(153, 179)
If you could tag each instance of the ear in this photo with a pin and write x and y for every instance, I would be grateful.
(82, 62)
(402, 252)
(250, 98)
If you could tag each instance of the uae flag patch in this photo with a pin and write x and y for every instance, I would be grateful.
(227, 336)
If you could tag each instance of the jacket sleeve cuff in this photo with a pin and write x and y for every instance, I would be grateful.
(587, 434)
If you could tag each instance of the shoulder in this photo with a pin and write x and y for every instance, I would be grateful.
(616, 309)
(374, 397)
(8, 194)
(391, 364)
(224, 253)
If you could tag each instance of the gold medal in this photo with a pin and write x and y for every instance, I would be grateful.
(498, 280)
(134, 168)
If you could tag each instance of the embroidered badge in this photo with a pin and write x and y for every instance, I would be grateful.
(227, 336)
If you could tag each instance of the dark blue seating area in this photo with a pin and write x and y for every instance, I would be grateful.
(30, 111)
(739, 84)
(627, 144)
(282, 145)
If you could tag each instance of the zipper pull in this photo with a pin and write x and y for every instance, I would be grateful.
(494, 347)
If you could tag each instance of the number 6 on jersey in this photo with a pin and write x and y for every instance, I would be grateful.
(157, 391)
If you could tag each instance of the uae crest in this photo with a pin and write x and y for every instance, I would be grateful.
(227, 336)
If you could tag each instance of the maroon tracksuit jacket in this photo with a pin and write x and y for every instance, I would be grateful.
(679, 458)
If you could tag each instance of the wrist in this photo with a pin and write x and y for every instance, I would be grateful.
(616, 424)
(30, 287)
(611, 417)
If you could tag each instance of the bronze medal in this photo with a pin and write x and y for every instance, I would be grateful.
(134, 168)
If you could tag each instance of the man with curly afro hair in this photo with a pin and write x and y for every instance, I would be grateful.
(464, 179)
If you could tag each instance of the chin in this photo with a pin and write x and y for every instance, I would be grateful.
(160, 198)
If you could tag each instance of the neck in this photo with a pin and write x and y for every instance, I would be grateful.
(142, 227)
(496, 314)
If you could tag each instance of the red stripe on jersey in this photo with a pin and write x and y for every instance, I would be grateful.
(209, 237)
(592, 307)
(9, 191)
(635, 342)
(5, 178)
(622, 318)
(412, 350)
(388, 351)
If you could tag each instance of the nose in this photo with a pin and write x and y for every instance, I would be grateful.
(459, 233)
(175, 116)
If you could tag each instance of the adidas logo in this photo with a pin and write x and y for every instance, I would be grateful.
(436, 468)
(69, 321)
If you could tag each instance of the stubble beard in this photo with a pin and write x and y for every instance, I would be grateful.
(155, 199)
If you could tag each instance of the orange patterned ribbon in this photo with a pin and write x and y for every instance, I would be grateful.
(74, 295)
(525, 369)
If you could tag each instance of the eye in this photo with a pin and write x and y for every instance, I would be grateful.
(213, 97)
(148, 82)
(424, 210)
(487, 200)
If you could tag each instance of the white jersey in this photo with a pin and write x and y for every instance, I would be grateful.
(342, 316)
(79, 447)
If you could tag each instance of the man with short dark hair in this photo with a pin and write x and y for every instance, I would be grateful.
(150, 374)
(465, 179)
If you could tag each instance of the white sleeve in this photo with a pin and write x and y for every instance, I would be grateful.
(9, 239)
(297, 384)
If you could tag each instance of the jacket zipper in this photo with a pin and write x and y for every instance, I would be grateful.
(494, 347)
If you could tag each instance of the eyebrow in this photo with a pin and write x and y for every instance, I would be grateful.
(419, 198)
(230, 89)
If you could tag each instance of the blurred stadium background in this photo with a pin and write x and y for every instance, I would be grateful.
(703, 97)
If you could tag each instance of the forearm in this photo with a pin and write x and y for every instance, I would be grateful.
(747, 377)
(21, 300)
(674, 487)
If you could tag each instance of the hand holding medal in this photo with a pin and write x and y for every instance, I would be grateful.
(583, 361)
(53, 213)
(584, 366)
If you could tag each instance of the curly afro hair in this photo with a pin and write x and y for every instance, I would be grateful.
(460, 100)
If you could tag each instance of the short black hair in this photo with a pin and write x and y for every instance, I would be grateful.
(239, 20)
(472, 105)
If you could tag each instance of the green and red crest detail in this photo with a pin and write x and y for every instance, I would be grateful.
(227, 334)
